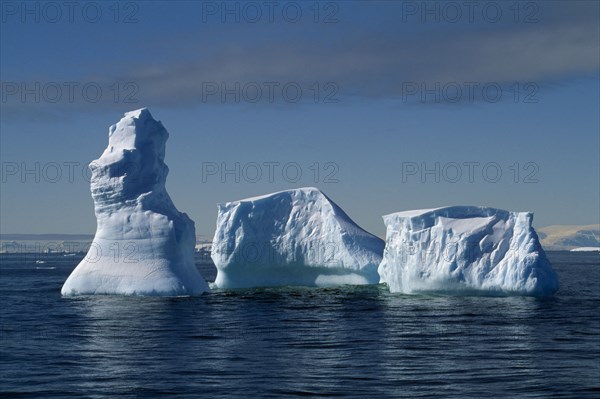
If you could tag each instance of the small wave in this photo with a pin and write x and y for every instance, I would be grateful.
(46, 268)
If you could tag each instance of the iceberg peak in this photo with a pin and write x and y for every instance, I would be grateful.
(143, 244)
(142, 113)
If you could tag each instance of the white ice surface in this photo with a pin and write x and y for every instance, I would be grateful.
(586, 249)
(294, 237)
(465, 249)
(143, 244)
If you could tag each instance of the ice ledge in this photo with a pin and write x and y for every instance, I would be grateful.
(454, 212)
(308, 191)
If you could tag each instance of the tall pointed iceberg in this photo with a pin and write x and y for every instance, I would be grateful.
(293, 237)
(465, 249)
(143, 244)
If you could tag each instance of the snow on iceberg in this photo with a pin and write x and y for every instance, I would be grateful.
(143, 244)
(294, 237)
(465, 249)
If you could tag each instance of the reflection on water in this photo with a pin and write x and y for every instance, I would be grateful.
(348, 341)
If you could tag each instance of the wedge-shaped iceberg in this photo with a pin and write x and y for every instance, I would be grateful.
(143, 245)
(295, 237)
(465, 249)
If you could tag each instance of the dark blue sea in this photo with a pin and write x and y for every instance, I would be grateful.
(296, 342)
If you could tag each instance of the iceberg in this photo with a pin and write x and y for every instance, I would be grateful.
(143, 244)
(465, 249)
(293, 237)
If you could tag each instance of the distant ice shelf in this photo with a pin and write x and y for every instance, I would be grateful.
(465, 249)
(293, 237)
(143, 244)
(586, 249)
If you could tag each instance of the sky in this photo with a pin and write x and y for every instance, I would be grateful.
(384, 105)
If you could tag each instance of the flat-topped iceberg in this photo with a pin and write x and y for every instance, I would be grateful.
(465, 249)
(143, 244)
(294, 237)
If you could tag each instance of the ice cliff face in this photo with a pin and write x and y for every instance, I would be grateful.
(295, 237)
(143, 244)
(465, 249)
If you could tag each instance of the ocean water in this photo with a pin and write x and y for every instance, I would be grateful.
(292, 342)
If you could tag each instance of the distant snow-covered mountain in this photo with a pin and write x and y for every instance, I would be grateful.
(562, 238)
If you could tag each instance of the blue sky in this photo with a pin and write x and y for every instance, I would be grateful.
(403, 87)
